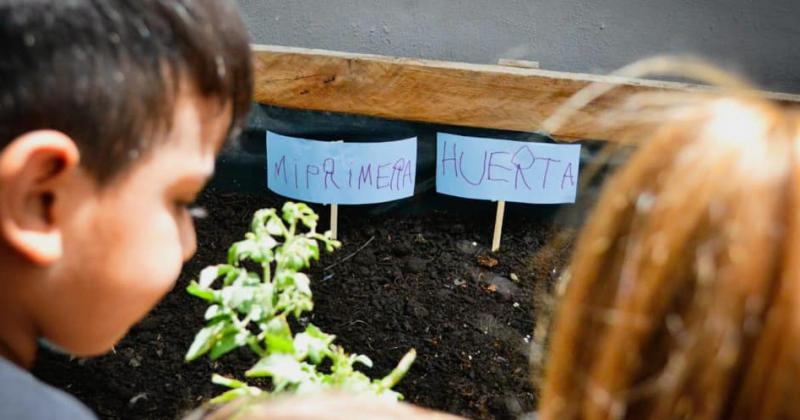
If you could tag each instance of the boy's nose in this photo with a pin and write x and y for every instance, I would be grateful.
(188, 240)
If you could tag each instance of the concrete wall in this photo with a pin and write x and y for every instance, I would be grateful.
(758, 38)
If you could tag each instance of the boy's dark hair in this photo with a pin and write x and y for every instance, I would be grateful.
(107, 72)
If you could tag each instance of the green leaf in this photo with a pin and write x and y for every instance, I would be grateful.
(252, 279)
(239, 296)
(204, 340)
(225, 269)
(231, 340)
(275, 227)
(207, 276)
(306, 249)
(281, 368)
(303, 283)
(233, 254)
(284, 278)
(290, 212)
(227, 382)
(293, 301)
(279, 336)
(312, 344)
(294, 212)
(231, 275)
(355, 382)
(215, 311)
(288, 258)
(266, 243)
(194, 289)
(254, 248)
(264, 302)
(261, 217)
(240, 278)
(241, 250)
(364, 360)
(279, 344)
(256, 312)
(234, 394)
(330, 244)
(297, 253)
(313, 246)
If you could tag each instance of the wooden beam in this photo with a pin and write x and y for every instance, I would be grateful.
(472, 95)
(523, 64)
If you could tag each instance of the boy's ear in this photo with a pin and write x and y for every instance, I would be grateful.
(32, 177)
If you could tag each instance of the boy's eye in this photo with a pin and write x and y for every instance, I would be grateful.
(182, 204)
(195, 211)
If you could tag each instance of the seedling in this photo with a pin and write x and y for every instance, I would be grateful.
(251, 309)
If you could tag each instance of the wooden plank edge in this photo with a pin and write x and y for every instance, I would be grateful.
(572, 81)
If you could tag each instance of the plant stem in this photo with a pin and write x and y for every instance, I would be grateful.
(397, 373)
(252, 342)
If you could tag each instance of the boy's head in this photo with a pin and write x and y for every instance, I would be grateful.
(111, 114)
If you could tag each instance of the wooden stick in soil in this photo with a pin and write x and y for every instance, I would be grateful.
(498, 225)
(334, 220)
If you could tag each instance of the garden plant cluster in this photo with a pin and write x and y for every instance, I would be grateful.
(253, 296)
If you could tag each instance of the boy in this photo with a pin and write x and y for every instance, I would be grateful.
(111, 114)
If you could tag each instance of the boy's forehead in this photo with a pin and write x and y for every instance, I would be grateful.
(188, 148)
(202, 122)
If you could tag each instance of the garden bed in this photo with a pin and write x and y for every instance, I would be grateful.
(422, 282)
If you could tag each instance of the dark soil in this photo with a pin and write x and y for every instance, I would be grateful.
(426, 283)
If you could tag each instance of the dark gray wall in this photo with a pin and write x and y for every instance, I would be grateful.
(760, 39)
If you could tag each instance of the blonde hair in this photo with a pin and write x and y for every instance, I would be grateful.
(683, 296)
(325, 405)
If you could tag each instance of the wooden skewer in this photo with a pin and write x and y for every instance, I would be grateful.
(334, 220)
(498, 225)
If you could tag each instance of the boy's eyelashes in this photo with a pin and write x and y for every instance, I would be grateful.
(185, 200)
(183, 204)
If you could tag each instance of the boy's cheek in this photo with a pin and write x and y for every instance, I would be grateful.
(115, 279)
(101, 318)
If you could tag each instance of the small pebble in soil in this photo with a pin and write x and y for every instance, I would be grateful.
(487, 261)
(467, 246)
(504, 286)
(137, 397)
